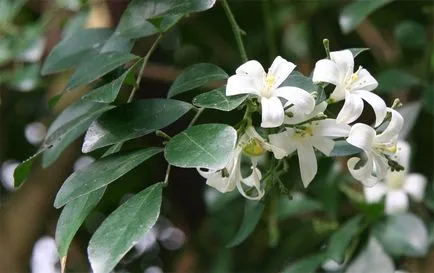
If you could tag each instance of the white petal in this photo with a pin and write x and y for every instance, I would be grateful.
(393, 129)
(330, 128)
(308, 165)
(251, 133)
(344, 61)
(415, 185)
(351, 110)
(362, 136)
(280, 69)
(403, 154)
(282, 141)
(272, 112)
(206, 173)
(220, 183)
(364, 81)
(323, 144)
(380, 165)
(376, 103)
(326, 71)
(364, 173)
(251, 68)
(375, 193)
(301, 99)
(242, 84)
(396, 201)
(252, 180)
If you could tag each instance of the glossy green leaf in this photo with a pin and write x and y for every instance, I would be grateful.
(410, 34)
(122, 229)
(299, 204)
(100, 173)
(133, 120)
(343, 148)
(357, 11)
(252, 214)
(22, 171)
(403, 234)
(195, 76)
(202, 146)
(217, 99)
(340, 240)
(372, 259)
(297, 79)
(306, 265)
(74, 49)
(72, 216)
(97, 66)
(108, 92)
(357, 51)
(117, 43)
(69, 125)
(396, 79)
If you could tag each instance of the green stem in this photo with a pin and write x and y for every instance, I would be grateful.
(271, 41)
(273, 229)
(236, 29)
(140, 75)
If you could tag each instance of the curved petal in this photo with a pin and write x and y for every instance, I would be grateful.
(376, 102)
(326, 71)
(251, 68)
(253, 181)
(280, 69)
(361, 136)
(282, 141)
(396, 201)
(364, 81)
(301, 99)
(272, 112)
(380, 165)
(323, 144)
(375, 193)
(206, 173)
(344, 61)
(307, 161)
(329, 127)
(364, 173)
(392, 130)
(242, 84)
(403, 154)
(220, 183)
(351, 110)
(415, 185)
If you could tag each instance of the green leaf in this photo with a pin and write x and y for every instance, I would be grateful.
(124, 228)
(133, 120)
(195, 76)
(69, 125)
(9, 9)
(117, 43)
(252, 214)
(134, 24)
(108, 92)
(72, 216)
(403, 234)
(297, 79)
(97, 66)
(74, 49)
(428, 98)
(358, 50)
(306, 265)
(298, 205)
(22, 171)
(217, 99)
(340, 240)
(343, 148)
(101, 173)
(202, 146)
(357, 11)
(396, 79)
(410, 34)
(372, 259)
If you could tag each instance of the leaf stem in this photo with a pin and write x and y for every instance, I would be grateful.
(236, 29)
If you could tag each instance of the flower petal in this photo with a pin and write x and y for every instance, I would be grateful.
(415, 185)
(326, 71)
(393, 129)
(375, 193)
(351, 110)
(403, 154)
(280, 69)
(396, 201)
(364, 173)
(206, 173)
(364, 81)
(242, 84)
(253, 180)
(376, 102)
(308, 164)
(251, 68)
(344, 61)
(329, 127)
(220, 183)
(323, 144)
(302, 100)
(380, 165)
(361, 136)
(272, 112)
(282, 141)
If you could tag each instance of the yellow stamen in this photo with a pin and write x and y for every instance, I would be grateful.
(268, 86)
(253, 148)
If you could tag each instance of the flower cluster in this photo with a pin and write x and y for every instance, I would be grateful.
(301, 126)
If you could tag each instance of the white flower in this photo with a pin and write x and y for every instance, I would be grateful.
(250, 78)
(398, 185)
(252, 145)
(304, 138)
(349, 85)
(375, 148)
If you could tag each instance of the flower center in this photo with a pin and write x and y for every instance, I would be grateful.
(267, 89)
(253, 148)
(354, 77)
(387, 149)
(304, 131)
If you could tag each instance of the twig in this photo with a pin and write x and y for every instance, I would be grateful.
(236, 29)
